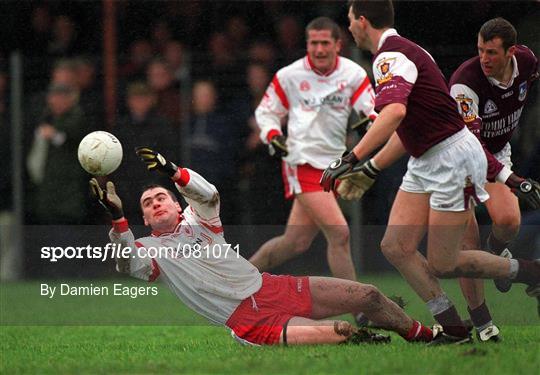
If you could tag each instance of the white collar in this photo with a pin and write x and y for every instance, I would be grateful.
(515, 73)
(386, 34)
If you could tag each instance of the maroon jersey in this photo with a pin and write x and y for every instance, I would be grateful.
(489, 108)
(405, 73)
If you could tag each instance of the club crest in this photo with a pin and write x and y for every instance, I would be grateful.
(465, 108)
(490, 107)
(383, 70)
(522, 91)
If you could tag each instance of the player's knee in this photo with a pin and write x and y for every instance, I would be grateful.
(507, 221)
(339, 236)
(394, 251)
(371, 295)
(301, 245)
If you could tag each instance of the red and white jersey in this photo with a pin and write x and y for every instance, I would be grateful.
(318, 107)
(195, 261)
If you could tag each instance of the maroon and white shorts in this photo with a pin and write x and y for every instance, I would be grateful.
(260, 319)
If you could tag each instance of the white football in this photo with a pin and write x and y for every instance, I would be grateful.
(100, 153)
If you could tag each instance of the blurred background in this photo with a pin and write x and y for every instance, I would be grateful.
(185, 77)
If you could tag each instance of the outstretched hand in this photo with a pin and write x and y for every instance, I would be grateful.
(359, 180)
(336, 169)
(156, 162)
(107, 198)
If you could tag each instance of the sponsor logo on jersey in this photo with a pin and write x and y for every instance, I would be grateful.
(305, 86)
(507, 94)
(383, 66)
(465, 108)
(522, 91)
(333, 100)
(490, 107)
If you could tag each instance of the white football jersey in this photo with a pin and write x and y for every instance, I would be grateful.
(195, 261)
(318, 107)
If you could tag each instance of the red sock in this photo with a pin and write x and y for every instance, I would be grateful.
(419, 332)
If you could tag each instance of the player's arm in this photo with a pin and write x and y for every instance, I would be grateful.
(382, 129)
(467, 101)
(134, 263)
(272, 108)
(362, 177)
(392, 151)
(201, 195)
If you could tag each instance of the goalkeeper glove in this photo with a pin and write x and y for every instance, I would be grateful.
(156, 162)
(336, 169)
(107, 198)
(527, 190)
(359, 180)
(278, 146)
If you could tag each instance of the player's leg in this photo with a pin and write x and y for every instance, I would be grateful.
(304, 331)
(299, 233)
(445, 237)
(406, 227)
(323, 209)
(473, 291)
(503, 208)
(331, 296)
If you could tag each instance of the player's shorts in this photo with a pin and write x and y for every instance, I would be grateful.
(505, 156)
(260, 319)
(453, 172)
(300, 179)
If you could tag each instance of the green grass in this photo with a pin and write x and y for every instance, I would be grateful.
(157, 334)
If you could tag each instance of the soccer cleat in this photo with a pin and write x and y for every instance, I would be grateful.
(504, 285)
(441, 338)
(488, 334)
(364, 336)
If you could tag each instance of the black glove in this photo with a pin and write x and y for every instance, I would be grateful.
(527, 190)
(278, 146)
(107, 198)
(337, 168)
(156, 162)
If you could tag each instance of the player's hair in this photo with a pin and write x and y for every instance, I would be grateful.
(499, 28)
(154, 186)
(380, 13)
(324, 23)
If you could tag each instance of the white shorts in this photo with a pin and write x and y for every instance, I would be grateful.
(453, 172)
(505, 155)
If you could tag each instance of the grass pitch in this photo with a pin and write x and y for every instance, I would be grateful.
(157, 334)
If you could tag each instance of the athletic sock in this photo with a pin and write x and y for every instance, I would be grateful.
(419, 332)
(528, 272)
(480, 317)
(445, 313)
